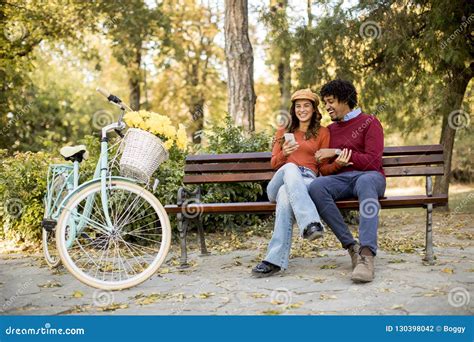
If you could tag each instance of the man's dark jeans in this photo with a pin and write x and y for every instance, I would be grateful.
(367, 186)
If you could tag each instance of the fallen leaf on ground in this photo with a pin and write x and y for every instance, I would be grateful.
(164, 270)
(295, 305)
(328, 267)
(205, 295)
(326, 297)
(397, 307)
(50, 283)
(447, 270)
(150, 299)
(77, 294)
(113, 307)
(272, 312)
(258, 295)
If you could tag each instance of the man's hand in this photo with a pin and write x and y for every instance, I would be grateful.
(289, 148)
(325, 153)
(344, 158)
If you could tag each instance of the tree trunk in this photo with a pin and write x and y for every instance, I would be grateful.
(455, 91)
(281, 50)
(239, 58)
(134, 77)
(197, 113)
(310, 13)
(284, 68)
(284, 81)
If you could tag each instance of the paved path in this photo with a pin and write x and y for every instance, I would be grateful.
(220, 284)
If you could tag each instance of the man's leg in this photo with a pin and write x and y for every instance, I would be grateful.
(368, 188)
(324, 191)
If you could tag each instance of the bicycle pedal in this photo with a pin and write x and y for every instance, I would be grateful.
(48, 225)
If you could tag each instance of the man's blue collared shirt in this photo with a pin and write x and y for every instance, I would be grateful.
(352, 114)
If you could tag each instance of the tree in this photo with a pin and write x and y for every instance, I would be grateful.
(24, 27)
(134, 27)
(281, 42)
(414, 58)
(188, 82)
(239, 58)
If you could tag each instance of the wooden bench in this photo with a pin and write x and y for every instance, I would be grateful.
(398, 161)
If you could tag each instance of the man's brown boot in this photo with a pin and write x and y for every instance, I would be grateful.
(354, 254)
(364, 271)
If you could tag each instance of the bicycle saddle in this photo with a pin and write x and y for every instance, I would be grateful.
(74, 153)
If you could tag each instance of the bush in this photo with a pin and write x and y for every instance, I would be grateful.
(232, 139)
(22, 188)
(23, 182)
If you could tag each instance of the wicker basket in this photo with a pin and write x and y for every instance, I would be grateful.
(142, 153)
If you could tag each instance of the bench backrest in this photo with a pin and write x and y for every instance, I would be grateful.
(398, 161)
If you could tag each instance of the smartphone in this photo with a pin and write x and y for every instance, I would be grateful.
(290, 137)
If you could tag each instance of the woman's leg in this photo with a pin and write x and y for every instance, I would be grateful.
(275, 183)
(296, 186)
(278, 252)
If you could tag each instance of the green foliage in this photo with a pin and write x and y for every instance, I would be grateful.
(405, 59)
(170, 175)
(22, 188)
(231, 139)
(23, 181)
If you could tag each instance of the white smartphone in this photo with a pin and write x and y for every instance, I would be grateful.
(290, 137)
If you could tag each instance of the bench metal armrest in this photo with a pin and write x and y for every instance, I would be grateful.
(184, 194)
(429, 186)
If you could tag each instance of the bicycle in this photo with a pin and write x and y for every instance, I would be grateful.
(110, 232)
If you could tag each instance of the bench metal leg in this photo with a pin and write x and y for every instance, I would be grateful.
(201, 237)
(429, 254)
(183, 230)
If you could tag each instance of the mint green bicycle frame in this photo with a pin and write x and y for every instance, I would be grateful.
(72, 185)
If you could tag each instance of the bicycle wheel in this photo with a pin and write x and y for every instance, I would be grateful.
(49, 249)
(49, 243)
(123, 256)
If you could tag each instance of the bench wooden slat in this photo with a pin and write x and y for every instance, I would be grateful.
(413, 171)
(229, 157)
(266, 207)
(228, 167)
(266, 166)
(228, 178)
(413, 160)
(266, 176)
(265, 156)
(409, 150)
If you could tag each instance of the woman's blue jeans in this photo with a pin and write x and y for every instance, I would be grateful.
(289, 188)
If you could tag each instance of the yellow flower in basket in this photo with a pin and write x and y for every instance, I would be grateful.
(134, 119)
(181, 137)
(159, 125)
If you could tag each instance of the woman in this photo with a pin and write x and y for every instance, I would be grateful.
(297, 168)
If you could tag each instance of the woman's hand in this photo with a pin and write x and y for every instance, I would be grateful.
(289, 148)
(325, 153)
(344, 158)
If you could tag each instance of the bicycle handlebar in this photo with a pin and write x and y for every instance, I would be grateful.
(115, 100)
(112, 98)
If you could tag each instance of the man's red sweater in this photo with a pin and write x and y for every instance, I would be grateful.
(364, 136)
